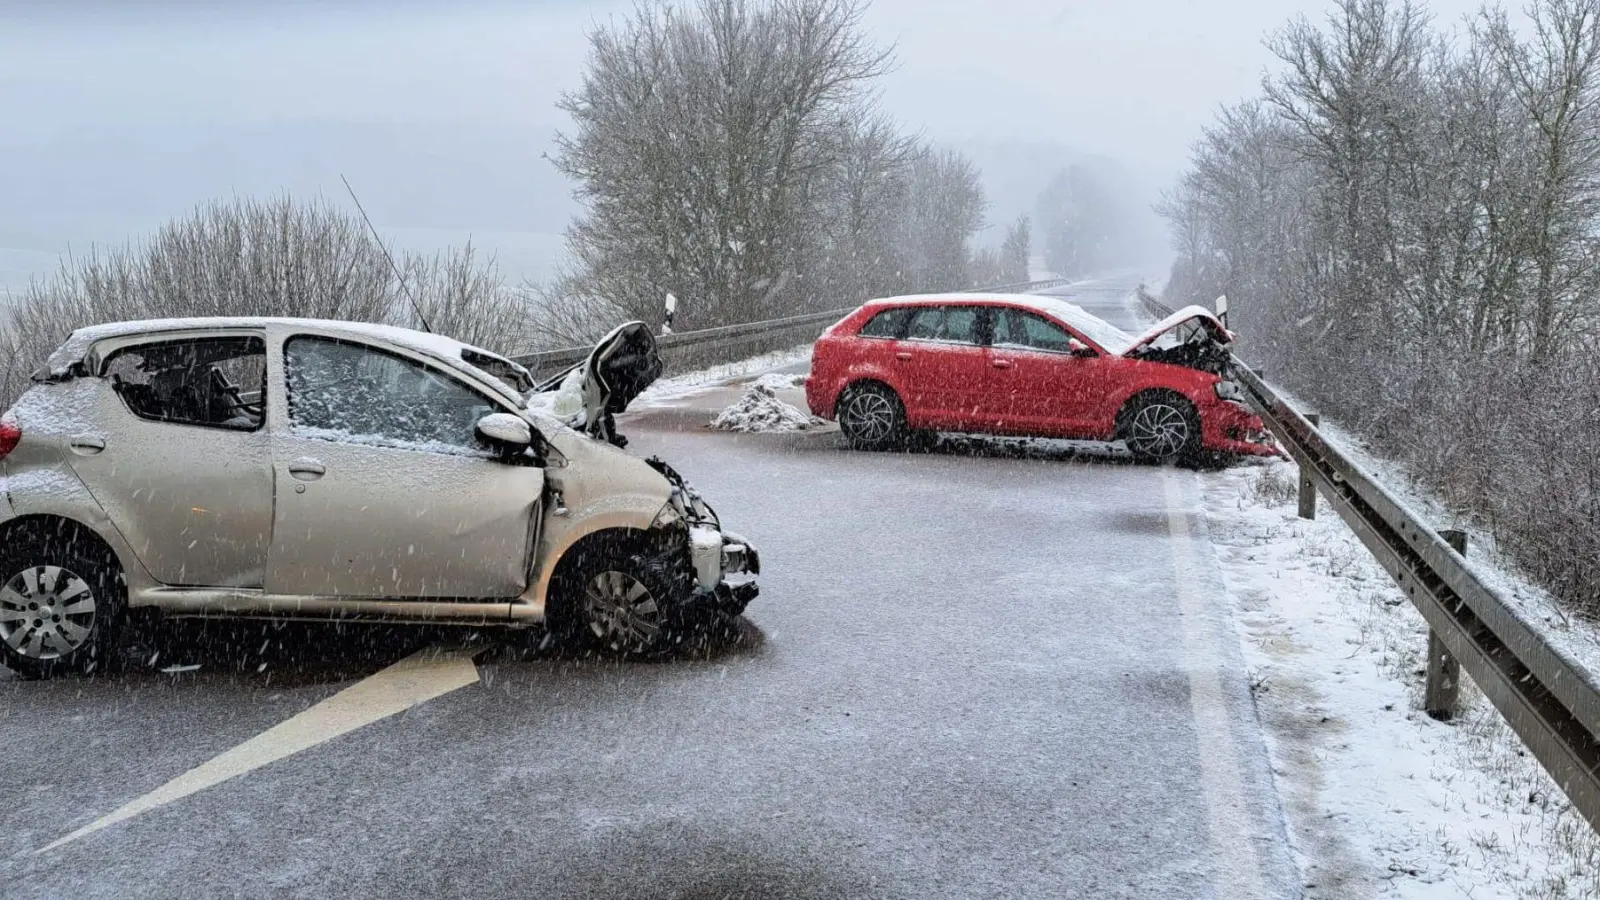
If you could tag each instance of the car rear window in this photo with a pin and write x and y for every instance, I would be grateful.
(215, 382)
(891, 323)
(956, 324)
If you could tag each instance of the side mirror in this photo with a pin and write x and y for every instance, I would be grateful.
(505, 432)
(1079, 348)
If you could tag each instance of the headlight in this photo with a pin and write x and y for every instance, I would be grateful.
(1228, 390)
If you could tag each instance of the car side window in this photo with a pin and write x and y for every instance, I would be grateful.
(953, 324)
(215, 382)
(1017, 328)
(352, 393)
(888, 324)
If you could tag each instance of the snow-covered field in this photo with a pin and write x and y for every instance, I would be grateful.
(1383, 801)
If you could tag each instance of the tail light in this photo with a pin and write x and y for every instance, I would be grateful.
(10, 434)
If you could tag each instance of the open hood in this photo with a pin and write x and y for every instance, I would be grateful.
(1192, 337)
(1183, 326)
(588, 395)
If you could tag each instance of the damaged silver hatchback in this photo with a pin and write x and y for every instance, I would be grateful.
(312, 469)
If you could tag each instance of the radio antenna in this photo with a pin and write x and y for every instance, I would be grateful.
(404, 285)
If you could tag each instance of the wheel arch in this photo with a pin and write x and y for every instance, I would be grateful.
(868, 380)
(17, 529)
(600, 533)
(1133, 399)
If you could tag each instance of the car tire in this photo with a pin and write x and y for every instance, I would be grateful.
(63, 601)
(872, 417)
(1160, 427)
(619, 599)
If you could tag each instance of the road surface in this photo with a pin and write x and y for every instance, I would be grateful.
(975, 672)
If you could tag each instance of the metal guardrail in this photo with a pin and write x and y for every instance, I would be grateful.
(1548, 698)
(801, 329)
(725, 336)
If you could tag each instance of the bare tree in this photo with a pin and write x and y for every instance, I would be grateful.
(1017, 250)
(257, 258)
(1421, 216)
(944, 209)
(700, 137)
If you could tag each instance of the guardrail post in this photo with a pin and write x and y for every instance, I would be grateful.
(1308, 488)
(1444, 672)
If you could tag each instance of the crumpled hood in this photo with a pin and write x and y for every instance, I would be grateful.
(618, 369)
(1207, 319)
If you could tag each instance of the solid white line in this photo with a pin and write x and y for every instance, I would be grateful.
(413, 680)
(1236, 868)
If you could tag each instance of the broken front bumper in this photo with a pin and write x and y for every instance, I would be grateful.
(725, 566)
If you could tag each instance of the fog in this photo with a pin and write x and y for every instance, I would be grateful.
(116, 116)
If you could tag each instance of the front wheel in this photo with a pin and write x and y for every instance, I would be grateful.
(1160, 427)
(621, 601)
(872, 417)
(61, 603)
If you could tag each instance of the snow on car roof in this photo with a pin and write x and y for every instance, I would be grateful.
(1105, 335)
(447, 349)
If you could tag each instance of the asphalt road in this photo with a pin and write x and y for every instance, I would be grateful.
(983, 671)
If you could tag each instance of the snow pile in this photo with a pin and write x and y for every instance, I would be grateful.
(1381, 799)
(760, 410)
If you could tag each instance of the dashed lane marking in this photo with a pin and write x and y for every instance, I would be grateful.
(1236, 868)
(416, 679)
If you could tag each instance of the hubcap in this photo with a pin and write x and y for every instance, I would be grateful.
(1158, 430)
(621, 610)
(868, 416)
(46, 612)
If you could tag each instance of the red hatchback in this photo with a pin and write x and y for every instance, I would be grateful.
(1030, 365)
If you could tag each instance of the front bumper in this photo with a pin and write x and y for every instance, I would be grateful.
(725, 566)
(1231, 427)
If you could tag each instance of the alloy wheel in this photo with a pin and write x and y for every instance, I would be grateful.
(46, 612)
(621, 611)
(868, 416)
(1158, 430)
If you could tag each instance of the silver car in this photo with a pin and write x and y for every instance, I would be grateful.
(312, 469)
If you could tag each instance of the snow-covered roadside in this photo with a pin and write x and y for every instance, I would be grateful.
(677, 387)
(1383, 801)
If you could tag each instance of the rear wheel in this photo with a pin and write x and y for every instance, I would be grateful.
(1160, 427)
(872, 417)
(62, 600)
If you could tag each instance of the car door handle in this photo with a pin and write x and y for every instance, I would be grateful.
(307, 469)
(902, 355)
(1001, 363)
(87, 444)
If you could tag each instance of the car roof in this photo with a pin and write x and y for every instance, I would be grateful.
(447, 349)
(1107, 336)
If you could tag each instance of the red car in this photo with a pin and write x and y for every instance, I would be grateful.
(1031, 365)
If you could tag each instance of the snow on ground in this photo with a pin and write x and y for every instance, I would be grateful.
(677, 387)
(760, 410)
(1383, 801)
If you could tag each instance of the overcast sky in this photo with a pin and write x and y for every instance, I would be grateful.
(1130, 79)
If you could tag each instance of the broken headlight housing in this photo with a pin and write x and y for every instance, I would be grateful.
(1230, 391)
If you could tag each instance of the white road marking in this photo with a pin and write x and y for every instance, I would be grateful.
(416, 679)
(1236, 869)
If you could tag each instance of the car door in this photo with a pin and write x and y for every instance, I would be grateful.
(944, 366)
(1044, 385)
(383, 489)
(174, 450)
